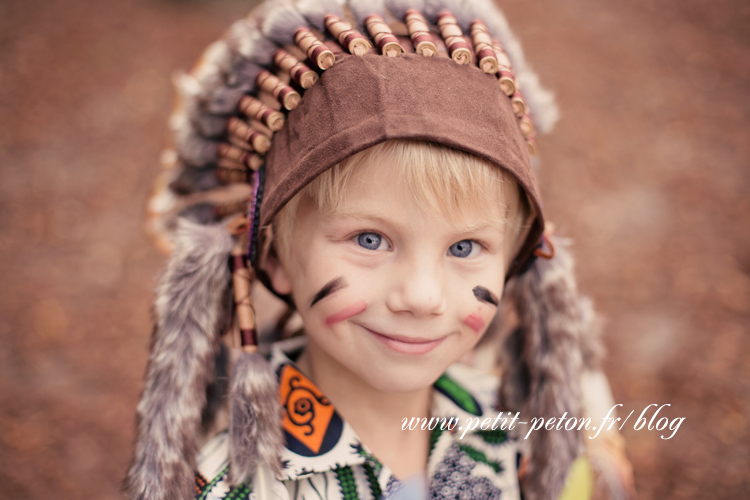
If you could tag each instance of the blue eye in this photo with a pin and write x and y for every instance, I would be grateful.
(463, 248)
(370, 241)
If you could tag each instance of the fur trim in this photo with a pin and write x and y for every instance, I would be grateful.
(399, 7)
(592, 348)
(192, 148)
(433, 8)
(364, 8)
(281, 21)
(187, 305)
(245, 39)
(315, 11)
(192, 180)
(255, 413)
(541, 102)
(544, 367)
(191, 94)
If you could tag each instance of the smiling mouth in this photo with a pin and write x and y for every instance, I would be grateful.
(406, 345)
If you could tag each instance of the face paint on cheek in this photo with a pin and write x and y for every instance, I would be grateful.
(475, 322)
(346, 313)
(484, 295)
(332, 286)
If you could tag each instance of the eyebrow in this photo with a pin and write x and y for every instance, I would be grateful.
(334, 285)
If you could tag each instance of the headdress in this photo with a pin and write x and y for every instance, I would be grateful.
(287, 93)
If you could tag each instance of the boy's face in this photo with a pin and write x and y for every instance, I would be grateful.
(391, 293)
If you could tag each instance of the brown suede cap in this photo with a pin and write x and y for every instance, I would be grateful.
(363, 101)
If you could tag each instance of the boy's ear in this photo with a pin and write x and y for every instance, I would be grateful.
(277, 273)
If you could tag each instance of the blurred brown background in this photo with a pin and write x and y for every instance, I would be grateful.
(647, 171)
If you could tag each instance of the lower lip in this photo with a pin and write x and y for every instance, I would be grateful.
(399, 346)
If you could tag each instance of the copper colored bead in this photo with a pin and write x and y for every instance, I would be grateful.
(253, 108)
(384, 38)
(286, 95)
(298, 70)
(349, 38)
(314, 48)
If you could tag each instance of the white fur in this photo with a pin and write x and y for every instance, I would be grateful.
(281, 21)
(315, 11)
(541, 102)
(247, 40)
(399, 7)
(364, 8)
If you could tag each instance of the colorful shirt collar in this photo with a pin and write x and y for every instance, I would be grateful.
(319, 440)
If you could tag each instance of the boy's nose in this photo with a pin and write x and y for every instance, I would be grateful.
(419, 290)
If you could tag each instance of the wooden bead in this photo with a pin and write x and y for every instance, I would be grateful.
(507, 81)
(527, 128)
(502, 56)
(316, 50)
(237, 154)
(253, 108)
(483, 48)
(505, 73)
(450, 31)
(419, 33)
(298, 70)
(242, 278)
(531, 144)
(349, 38)
(518, 103)
(384, 38)
(286, 95)
(256, 139)
(231, 172)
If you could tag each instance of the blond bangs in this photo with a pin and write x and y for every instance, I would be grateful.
(442, 180)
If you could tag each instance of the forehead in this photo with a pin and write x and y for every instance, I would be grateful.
(444, 184)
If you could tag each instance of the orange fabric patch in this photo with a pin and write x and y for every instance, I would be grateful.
(307, 412)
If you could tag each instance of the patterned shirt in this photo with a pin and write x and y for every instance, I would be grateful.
(325, 460)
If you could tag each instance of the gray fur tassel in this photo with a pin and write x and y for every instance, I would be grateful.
(187, 309)
(281, 19)
(255, 416)
(544, 365)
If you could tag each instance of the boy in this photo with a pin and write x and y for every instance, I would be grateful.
(396, 199)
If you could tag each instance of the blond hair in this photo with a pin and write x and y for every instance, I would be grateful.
(441, 179)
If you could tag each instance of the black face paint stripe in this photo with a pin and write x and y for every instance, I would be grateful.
(484, 295)
(334, 285)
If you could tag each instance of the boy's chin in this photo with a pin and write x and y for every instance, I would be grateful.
(403, 380)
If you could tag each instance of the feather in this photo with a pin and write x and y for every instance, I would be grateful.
(465, 12)
(281, 21)
(315, 11)
(192, 148)
(398, 8)
(187, 306)
(193, 105)
(544, 367)
(362, 9)
(244, 38)
(540, 101)
(192, 180)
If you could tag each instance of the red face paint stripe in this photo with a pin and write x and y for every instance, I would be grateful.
(346, 313)
(475, 322)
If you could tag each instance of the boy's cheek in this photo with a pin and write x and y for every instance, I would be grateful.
(475, 321)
